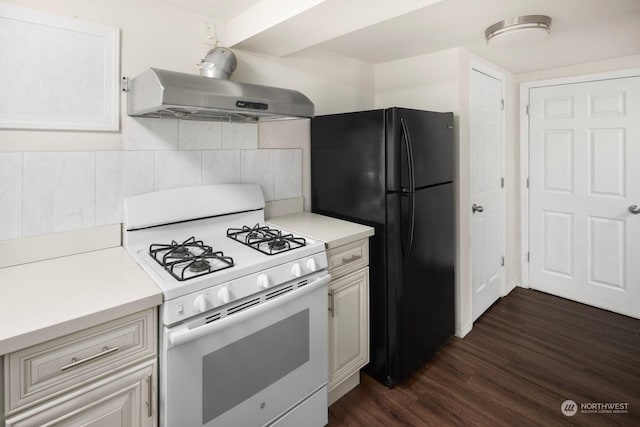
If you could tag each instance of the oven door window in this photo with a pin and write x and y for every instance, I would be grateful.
(241, 369)
(251, 371)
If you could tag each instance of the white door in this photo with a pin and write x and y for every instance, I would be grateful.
(584, 177)
(487, 198)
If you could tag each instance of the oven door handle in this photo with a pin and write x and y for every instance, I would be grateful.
(185, 335)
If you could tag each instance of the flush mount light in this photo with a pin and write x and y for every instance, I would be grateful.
(519, 30)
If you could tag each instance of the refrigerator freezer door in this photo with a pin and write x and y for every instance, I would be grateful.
(420, 294)
(348, 167)
(431, 136)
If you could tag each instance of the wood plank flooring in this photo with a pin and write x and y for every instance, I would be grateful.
(524, 357)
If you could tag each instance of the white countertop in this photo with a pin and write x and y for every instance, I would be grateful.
(48, 299)
(334, 232)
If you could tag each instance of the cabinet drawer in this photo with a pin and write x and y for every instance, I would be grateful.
(347, 258)
(126, 399)
(46, 370)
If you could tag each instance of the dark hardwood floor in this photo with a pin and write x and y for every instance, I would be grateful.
(524, 357)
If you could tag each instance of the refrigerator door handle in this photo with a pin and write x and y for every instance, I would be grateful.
(412, 189)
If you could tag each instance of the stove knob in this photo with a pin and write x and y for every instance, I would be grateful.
(296, 270)
(200, 303)
(263, 281)
(224, 295)
(311, 264)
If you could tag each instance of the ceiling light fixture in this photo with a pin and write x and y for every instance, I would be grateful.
(519, 30)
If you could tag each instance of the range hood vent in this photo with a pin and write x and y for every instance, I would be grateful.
(170, 94)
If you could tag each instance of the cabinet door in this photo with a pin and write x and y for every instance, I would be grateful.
(348, 325)
(119, 401)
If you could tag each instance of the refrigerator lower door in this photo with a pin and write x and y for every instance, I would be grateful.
(420, 291)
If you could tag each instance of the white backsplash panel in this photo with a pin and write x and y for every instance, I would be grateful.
(120, 174)
(257, 168)
(240, 136)
(221, 166)
(59, 192)
(152, 134)
(197, 135)
(49, 192)
(287, 174)
(178, 169)
(10, 195)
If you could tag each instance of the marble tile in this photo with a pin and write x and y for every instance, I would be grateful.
(240, 136)
(197, 135)
(287, 174)
(59, 192)
(152, 134)
(120, 174)
(257, 168)
(10, 196)
(221, 166)
(177, 169)
(284, 134)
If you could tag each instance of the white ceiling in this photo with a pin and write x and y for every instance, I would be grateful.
(222, 10)
(582, 30)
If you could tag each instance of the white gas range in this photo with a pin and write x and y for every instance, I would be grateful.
(243, 337)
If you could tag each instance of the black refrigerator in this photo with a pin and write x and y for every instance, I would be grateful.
(393, 169)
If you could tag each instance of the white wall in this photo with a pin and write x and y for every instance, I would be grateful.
(147, 155)
(614, 64)
(424, 82)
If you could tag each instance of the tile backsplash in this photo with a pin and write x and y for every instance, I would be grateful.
(47, 192)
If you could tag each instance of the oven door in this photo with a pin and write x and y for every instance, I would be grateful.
(251, 367)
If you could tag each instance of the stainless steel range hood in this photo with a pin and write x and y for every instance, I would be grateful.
(161, 93)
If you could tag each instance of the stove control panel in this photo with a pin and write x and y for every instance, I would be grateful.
(193, 304)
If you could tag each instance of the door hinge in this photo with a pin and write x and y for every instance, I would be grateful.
(124, 84)
(528, 110)
(527, 182)
(528, 257)
(502, 182)
(502, 262)
(502, 104)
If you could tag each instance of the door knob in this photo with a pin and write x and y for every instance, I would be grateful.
(476, 208)
(634, 209)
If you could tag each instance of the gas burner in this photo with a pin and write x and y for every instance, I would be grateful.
(267, 240)
(199, 266)
(180, 252)
(278, 244)
(189, 259)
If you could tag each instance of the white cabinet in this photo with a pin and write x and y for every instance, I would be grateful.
(348, 316)
(102, 376)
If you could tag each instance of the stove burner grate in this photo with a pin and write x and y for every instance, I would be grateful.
(189, 259)
(265, 239)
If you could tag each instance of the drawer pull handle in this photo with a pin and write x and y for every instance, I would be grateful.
(353, 258)
(75, 362)
(331, 301)
(150, 393)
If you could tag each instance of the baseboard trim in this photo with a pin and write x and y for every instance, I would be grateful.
(509, 287)
(344, 387)
(461, 332)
